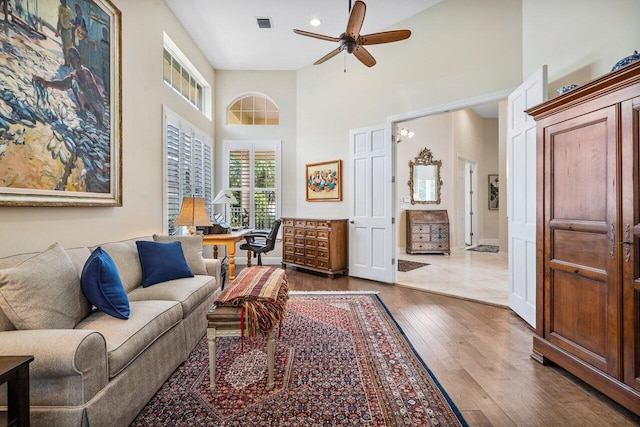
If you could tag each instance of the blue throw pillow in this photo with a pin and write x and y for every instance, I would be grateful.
(102, 285)
(161, 262)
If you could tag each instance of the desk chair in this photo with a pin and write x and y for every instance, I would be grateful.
(260, 242)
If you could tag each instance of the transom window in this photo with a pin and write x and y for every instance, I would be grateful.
(253, 109)
(184, 78)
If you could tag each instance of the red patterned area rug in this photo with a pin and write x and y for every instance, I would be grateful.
(341, 360)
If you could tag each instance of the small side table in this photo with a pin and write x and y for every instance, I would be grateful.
(14, 370)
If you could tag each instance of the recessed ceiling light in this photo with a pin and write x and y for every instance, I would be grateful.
(315, 22)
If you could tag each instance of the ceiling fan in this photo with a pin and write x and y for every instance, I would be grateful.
(352, 42)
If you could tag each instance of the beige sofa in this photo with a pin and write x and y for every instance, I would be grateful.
(104, 370)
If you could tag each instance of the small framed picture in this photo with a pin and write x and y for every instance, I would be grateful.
(324, 181)
(494, 192)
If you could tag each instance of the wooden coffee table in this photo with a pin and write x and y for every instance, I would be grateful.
(14, 370)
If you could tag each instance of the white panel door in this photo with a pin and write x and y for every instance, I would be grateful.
(521, 187)
(371, 204)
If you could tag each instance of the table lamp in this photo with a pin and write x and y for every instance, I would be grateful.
(193, 213)
(225, 197)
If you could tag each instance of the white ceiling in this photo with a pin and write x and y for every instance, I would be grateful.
(227, 33)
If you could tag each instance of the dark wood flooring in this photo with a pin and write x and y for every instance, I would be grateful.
(480, 355)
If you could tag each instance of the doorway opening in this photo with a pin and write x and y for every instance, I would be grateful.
(456, 136)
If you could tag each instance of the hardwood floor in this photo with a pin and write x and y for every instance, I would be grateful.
(480, 355)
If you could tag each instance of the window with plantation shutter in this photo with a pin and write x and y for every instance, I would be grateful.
(252, 173)
(188, 166)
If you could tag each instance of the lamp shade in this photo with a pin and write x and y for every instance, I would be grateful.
(225, 197)
(193, 212)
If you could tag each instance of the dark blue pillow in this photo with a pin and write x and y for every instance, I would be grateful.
(161, 262)
(102, 285)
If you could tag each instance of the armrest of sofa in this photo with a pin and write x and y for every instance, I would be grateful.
(61, 356)
(213, 269)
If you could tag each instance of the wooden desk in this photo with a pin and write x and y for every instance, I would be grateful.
(14, 370)
(229, 240)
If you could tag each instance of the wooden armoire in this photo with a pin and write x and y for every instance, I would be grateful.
(588, 229)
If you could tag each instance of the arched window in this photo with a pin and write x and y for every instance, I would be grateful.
(253, 109)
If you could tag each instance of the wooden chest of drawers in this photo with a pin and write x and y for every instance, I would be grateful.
(315, 244)
(427, 232)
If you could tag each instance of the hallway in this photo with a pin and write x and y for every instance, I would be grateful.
(478, 276)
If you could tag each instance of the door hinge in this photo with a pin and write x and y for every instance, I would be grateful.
(393, 179)
(393, 220)
(393, 261)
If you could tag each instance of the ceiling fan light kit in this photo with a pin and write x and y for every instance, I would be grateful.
(352, 42)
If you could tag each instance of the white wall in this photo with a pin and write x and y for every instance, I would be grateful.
(26, 229)
(458, 50)
(579, 39)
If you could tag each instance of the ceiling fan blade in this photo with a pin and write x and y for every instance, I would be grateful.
(364, 56)
(328, 56)
(385, 37)
(356, 18)
(316, 36)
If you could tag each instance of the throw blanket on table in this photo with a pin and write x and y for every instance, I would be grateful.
(262, 292)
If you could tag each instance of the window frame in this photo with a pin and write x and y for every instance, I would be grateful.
(201, 184)
(199, 82)
(252, 146)
(253, 110)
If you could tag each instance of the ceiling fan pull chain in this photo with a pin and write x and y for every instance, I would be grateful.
(345, 61)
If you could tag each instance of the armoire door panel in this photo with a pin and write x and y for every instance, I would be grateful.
(577, 247)
(584, 328)
(579, 151)
(582, 273)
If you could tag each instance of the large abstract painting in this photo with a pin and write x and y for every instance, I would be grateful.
(60, 103)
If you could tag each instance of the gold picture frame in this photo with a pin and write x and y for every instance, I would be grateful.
(61, 104)
(324, 181)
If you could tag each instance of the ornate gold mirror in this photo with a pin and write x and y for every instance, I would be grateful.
(424, 179)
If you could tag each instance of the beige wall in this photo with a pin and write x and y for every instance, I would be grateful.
(503, 226)
(579, 39)
(434, 133)
(459, 49)
(25, 229)
(281, 87)
(450, 136)
(490, 227)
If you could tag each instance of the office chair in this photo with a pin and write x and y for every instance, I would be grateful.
(261, 242)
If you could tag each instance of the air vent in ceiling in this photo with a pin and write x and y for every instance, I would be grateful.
(264, 22)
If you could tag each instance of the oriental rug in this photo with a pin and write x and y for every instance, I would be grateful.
(404, 265)
(341, 360)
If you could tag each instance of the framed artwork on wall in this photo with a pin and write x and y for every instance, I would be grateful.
(324, 181)
(60, 103)
(494, 192)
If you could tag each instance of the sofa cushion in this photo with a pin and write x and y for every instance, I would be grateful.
(125, 255)
(161, 262)
(43, 292)
(102, 285)
(127, 339)
(192, 248)
(188, 292)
